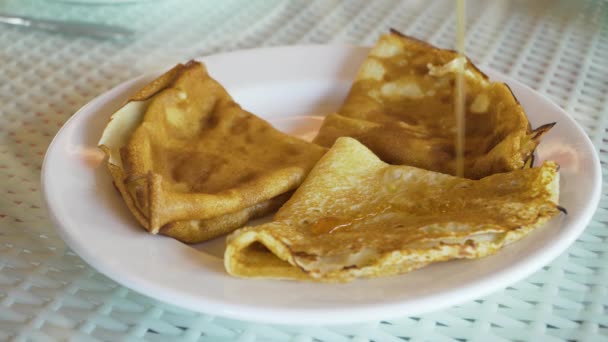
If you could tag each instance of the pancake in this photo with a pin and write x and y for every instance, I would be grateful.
(192, 164)
(357, 216)
(401, 106)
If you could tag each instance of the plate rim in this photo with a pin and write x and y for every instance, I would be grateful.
(304, 316)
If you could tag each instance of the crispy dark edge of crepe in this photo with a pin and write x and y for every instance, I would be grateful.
(537, 135)
(539, 131)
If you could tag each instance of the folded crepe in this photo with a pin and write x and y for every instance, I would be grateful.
(401, 106)
(192, 164)
(356, 216)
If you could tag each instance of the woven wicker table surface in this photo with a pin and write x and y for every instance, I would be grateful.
(559, 48)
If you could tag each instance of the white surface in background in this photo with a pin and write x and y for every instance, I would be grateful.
(559, 47)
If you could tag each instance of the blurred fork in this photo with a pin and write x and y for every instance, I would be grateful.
(68, 27)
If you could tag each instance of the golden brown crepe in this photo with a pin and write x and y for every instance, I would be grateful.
(192, 164)
(356, 216)
(401, 106)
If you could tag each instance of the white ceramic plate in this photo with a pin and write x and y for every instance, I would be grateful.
(292, 87)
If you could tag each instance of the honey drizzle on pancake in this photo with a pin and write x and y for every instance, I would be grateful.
(459, 95)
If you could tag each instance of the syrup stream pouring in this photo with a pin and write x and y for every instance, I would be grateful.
(459, 95)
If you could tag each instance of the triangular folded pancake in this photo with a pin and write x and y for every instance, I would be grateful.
(192, 164)
(356, 216)
(401, 106)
